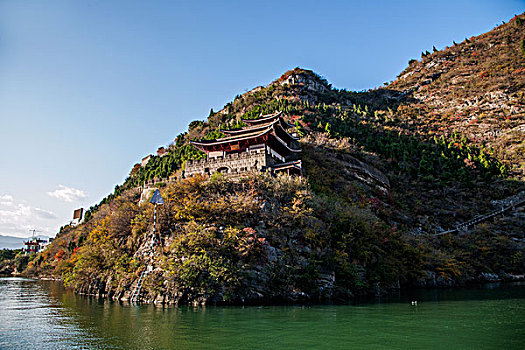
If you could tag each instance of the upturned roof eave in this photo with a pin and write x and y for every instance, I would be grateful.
(285, 145)
(263, 118)
(228, 140)
(271, 124)
(248, 129)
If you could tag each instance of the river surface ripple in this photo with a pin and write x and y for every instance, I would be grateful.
(43, 315)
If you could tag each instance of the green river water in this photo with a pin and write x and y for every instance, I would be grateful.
(42, 315)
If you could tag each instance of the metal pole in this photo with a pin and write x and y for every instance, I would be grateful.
(154, 222)
(154, 241)
(156, 199)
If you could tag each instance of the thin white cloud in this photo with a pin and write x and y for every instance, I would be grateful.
(17, 217)
(44, 214)
(6, 198)
(67, 194)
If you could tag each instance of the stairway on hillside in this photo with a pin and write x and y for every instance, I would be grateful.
(507, 204)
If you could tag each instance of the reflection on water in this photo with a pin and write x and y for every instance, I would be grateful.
(39, 314)
(31, 317)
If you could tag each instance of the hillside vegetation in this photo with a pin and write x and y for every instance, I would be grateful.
(260, 239)
(386, 170)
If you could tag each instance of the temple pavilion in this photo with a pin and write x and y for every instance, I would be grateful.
(263, 145)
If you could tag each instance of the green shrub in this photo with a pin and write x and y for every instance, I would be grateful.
(21, 261)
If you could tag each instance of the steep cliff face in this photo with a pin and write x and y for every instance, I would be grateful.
(386, 172)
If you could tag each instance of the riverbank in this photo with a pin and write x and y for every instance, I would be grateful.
(488, 281)
(481, 318)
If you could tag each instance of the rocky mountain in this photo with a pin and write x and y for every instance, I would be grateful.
(387, 173)
(10, 242)
(476, 88)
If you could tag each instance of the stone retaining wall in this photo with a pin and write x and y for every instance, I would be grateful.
(229, 164)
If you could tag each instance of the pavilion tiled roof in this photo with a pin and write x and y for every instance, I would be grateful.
(262, 118)
(253, 128)
(232, 138)
(251, 132)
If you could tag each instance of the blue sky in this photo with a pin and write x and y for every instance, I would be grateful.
(87, 88)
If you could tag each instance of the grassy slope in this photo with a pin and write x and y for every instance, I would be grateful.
(476, 88)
